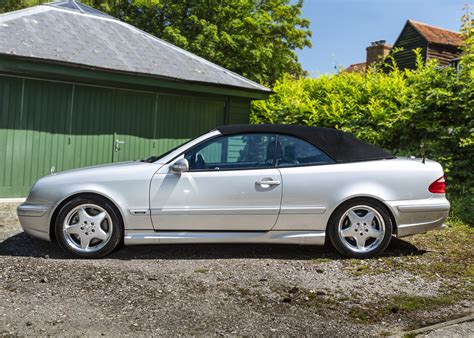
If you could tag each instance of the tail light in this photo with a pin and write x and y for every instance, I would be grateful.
(438, 186)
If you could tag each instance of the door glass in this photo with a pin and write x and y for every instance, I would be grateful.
(234, 152)
(297, 152)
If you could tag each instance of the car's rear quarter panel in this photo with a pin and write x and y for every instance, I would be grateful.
(394, 182)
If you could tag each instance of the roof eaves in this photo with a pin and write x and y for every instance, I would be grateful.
(416, 25)
(257, 94)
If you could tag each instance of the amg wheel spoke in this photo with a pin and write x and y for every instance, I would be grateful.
(74, 229)
(100, 234)
(85, 241)
(353, 217)
(360, 242)
(368, 218)
(83, 215)
(348, 232)
(97, 219)
(374, 233)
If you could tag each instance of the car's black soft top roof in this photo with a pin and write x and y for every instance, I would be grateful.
(340, 146)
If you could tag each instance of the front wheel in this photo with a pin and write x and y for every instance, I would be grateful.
(360, 228)
(88, 227)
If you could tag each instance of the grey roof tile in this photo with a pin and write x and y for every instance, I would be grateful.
(86, 36)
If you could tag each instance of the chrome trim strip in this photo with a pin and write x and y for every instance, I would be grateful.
(32, 210)
(424, 207)
(302, 210)
(215, 211)
(177, 237)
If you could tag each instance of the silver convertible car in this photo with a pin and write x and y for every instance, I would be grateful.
(243, 184)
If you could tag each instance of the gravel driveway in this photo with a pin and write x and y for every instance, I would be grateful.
(232, 289)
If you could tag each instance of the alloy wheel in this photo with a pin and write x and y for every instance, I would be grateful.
(87, 228)
(361, 229)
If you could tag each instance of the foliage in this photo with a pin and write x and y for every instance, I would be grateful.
(254, 38)
(398, 110)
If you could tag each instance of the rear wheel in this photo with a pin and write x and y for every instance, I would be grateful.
(360, 228)
(88, 227)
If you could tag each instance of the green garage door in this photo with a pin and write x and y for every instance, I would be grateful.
(49, 127)
(151, 124)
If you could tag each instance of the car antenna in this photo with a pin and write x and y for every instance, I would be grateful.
(422, 146)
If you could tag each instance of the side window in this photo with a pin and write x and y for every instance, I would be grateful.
(233, 152)
(294, 151)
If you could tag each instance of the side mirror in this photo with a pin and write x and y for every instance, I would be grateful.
(180, 166)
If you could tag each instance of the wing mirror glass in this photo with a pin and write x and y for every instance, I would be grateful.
(180, 166)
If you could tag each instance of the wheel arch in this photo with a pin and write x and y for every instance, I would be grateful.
(365, 198)
(54, 215)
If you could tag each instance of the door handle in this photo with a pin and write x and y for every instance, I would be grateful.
(269, 183)
(117, 144)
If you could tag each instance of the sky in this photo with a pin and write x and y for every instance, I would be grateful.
(342, 29)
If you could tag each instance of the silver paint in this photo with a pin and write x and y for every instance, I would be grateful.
(241, 205)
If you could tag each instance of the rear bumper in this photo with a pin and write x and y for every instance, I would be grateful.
(34, 219)
(419, 228)
(419, 216)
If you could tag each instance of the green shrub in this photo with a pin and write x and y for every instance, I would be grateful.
(409, 112)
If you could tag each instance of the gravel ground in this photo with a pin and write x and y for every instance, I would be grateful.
(227, 289)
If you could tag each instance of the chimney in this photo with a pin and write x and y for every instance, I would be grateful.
(377, 51)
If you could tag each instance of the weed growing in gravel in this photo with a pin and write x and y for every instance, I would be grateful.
(320, 260)
(360, 270)
(445, 253)
(445, 256)
(372, 313)
(201, 270)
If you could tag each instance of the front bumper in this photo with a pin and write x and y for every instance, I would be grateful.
(34, 219)
(419, 216)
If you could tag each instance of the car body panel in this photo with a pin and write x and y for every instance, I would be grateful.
(134, 237)
(215, 200)
(312, 193)
(125, 184)
(158, 206)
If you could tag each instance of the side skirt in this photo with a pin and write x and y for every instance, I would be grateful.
(135, 237)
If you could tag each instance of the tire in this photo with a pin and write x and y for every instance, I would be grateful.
(89, 227)
(360, 228)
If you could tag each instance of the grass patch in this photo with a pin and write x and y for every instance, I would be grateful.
(443, 253)
(412, 303)
(360, 270)
(448, 253)
(320, 260)
(404, 304)
(409, 335)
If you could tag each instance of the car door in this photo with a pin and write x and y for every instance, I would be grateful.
(309, 181)
(231, 185)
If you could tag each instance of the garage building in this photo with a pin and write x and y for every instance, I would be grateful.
(80, 88)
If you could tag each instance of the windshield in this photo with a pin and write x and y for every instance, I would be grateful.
(152, 159)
